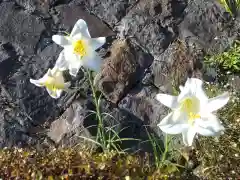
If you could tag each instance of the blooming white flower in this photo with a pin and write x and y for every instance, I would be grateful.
(192, 112)
(79, 49)
(53, 81)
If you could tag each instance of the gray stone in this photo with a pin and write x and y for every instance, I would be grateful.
(15, 124)
(33, 100)
(25, 107)
(172, 68)
(141, 102)
(31, 107)
(19, 28)
(78, 127)
(71, 119)
(3, 54)
(210, 74)
(172, 12)
(129, 125)
(25, 55)
(40, 7)
(67, 15)
(8, 61)
(110, 11)
(148, 27)
(122, 70)
(207, 25)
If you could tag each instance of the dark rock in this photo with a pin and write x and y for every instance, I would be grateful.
(172, 68)
(78, 126)
(206, 30)
(206, 26)
(14, 124)
(141, 102)
(170, 12)
(210, 74)
(40, 7)
(19, 28)
(69, 121)
(110, 11)
(24, 107)
(129, 125)
(149, 24)
(122, 70)
(32, 107)
(3, 54)
(67, 15)
(8, 61)
(33, 100)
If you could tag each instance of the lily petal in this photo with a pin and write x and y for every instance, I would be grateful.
(74, 68)
(217, 102)
(208, 125)
(93, 62)
(49, 73)
(196, 89)
(193, 87)
(188, 136)
(185, 91)
(96, 43)
(54, 94)
(169, 126)
(72, 59)
(38, 83)
(80, 28)
(181, 88)
(167, 100)
(61, 63)
(194, 82)
(61, 40)
(58, 93)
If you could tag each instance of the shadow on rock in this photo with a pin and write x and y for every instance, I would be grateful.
(78, 126)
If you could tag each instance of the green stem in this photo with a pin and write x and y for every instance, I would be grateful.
(165, 149)
(100, 130)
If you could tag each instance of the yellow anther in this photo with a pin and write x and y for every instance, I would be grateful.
(79, 48)
(193, 116)
(191, 106)
(187, 104)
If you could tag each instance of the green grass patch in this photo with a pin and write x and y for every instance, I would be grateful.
(228, 60)
(231, 6)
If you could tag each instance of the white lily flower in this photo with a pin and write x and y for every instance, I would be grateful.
(192, 112)
(53, 81)
(79, 49)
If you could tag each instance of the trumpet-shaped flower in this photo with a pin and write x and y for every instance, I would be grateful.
(79, 49)
(192, 112)
(53, 81)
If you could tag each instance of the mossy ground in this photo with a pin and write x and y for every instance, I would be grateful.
(78, 164)
(220, 156)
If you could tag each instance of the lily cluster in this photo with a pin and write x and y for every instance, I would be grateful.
(79, 50)
(192, 111)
